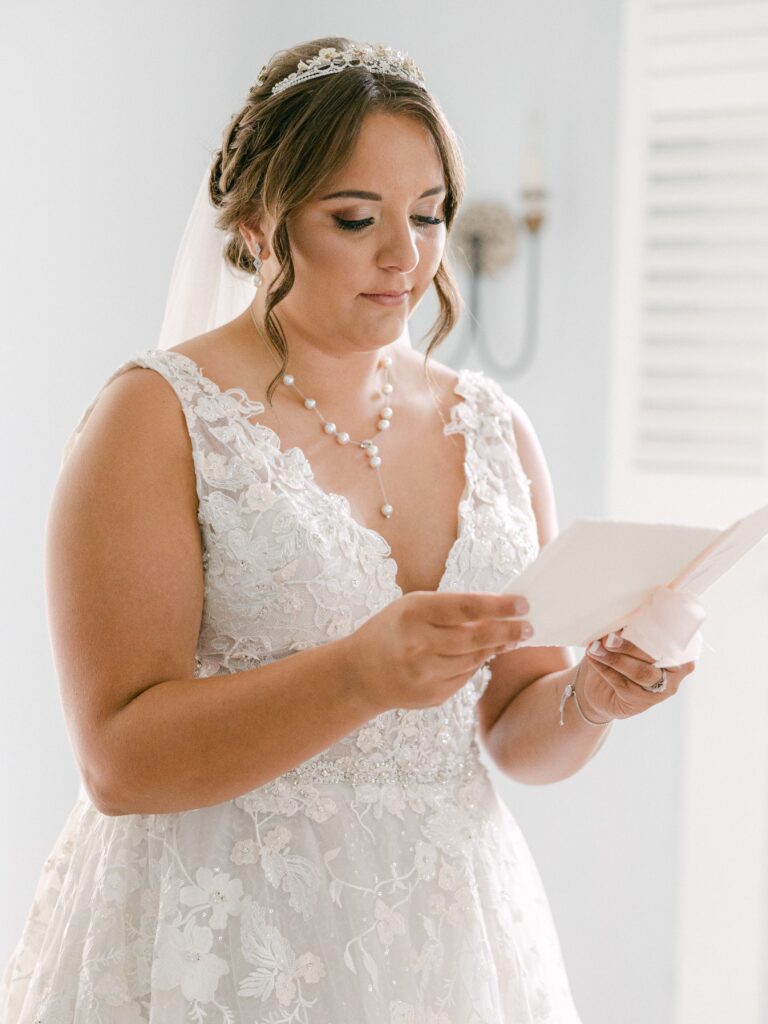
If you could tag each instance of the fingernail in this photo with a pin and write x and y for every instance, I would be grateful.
(521, 606)
(596, 647)
(526, 630)
(613, 641)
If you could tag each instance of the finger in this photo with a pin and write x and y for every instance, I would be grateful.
(622, 686)
(489, 635)
(632, 670)
(686, 668)
(611, 657)
(449, 608)
(625, 647)
(452, 666)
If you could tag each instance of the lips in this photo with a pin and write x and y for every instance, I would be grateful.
(388, 298)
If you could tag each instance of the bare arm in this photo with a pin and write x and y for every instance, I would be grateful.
(187, 743)
(519, 711)
(528, 742)
(125, 593)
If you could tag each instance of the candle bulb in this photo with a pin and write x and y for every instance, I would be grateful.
(533, 177)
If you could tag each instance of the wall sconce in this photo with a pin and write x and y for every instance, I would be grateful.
(485, 238)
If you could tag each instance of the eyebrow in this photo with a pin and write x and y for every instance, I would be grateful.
(355, 193)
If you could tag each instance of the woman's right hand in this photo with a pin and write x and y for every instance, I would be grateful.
(423, 647)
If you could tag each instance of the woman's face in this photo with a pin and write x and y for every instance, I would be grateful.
(346, 247)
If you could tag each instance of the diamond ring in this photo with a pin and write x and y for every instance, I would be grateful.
(659, 687)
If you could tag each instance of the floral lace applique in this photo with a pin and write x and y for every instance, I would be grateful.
(382, 880)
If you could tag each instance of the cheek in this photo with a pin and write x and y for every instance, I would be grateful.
(326, 254)
(431, 252)
(336, 255)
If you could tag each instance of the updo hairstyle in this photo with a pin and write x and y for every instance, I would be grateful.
(280, 151)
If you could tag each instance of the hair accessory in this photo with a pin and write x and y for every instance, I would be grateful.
(570, 691)
(329, 61)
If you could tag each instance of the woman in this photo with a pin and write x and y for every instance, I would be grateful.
(308, 834)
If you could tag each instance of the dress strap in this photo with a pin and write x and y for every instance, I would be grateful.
(487, 418)
(202, 402)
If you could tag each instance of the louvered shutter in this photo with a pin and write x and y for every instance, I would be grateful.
(691, 324)
(689, 441)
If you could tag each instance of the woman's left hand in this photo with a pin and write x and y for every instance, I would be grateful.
(612, 682)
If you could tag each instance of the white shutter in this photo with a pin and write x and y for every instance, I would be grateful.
(691, 324)
(689, 440)
(702, 388)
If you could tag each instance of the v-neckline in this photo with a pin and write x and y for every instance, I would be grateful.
(453, 419)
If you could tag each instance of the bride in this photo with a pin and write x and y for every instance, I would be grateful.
(275, 557)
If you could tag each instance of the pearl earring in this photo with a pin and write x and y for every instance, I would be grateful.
(257, 263)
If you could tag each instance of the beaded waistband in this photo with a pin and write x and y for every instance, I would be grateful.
(358, 772)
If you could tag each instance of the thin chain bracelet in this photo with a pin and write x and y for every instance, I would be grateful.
(570, 691)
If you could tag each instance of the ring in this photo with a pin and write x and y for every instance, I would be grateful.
(659, 687)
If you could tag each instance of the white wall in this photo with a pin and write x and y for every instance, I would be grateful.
(109, 112)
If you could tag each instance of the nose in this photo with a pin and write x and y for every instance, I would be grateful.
(398, 250)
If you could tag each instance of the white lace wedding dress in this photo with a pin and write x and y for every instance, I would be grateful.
(383, 881)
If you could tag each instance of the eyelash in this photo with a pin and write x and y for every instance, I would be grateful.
(358, 225)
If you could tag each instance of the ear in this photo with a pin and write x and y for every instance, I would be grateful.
(255, 231)
(254, 235)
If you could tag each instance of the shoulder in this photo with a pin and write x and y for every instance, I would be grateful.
(135, 422)
(138, 394)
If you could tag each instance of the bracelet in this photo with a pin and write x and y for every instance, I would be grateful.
(570, 691)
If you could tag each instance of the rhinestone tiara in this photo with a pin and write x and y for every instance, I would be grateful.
(329, 61)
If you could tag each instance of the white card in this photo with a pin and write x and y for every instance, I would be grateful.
(591, 578)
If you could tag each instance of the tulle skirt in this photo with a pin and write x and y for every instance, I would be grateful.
(323, 904)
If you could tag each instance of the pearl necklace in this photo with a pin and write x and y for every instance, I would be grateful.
(342, 437)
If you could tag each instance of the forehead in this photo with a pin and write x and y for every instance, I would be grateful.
(391, 148)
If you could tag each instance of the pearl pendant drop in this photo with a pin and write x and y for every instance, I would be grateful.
(342, 437)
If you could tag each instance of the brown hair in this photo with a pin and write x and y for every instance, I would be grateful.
(279, 151)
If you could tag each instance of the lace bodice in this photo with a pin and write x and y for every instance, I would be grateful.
(381, 881)
(287, 566)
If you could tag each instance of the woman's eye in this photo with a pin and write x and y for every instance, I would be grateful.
(358, 225)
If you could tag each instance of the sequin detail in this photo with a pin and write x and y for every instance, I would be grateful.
(383, 880)
(349, 771)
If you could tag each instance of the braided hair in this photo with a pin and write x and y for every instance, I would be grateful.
(278, 151)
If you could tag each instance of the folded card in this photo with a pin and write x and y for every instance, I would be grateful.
(596, 575)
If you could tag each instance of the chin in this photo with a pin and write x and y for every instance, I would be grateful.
(386, 333)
